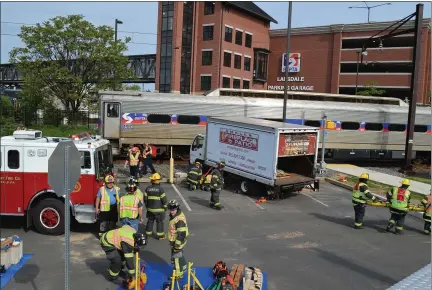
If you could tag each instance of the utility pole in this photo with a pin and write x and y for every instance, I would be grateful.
(407, 166)
(368, 8)
(287, 60)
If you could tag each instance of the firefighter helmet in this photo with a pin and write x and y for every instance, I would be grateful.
(221, 163)
(406, 181)
(109, 179)
(155, 176)
(140, 239)
(173, 204)
(364, 176)
(131, 186)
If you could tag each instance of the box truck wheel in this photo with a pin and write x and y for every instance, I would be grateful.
(48, 216)
(245, 186)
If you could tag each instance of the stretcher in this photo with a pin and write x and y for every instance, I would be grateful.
(411, 207)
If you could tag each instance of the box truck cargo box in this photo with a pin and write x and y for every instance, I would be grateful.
(280, 156)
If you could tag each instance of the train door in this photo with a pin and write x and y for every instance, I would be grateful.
(112, 115)
(13, 180)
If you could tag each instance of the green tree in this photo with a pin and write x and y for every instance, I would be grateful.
(134, 87)
(67, 60)
(371, 90)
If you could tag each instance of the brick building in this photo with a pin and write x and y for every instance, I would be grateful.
(207, 45)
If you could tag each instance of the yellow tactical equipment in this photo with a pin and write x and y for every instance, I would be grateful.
(411, 207)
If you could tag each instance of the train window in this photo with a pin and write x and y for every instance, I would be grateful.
(420, 128)
(13, 159)
(312, 123)
(350, 125)
(112, 110)
(189, 120)
(161, 119)
(374, 127)
(396, 127)
(274, 120)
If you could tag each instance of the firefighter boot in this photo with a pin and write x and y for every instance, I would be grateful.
(390, 225)
(399, 231)
(119, 281)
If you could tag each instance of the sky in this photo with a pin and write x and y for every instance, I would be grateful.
(141, 17)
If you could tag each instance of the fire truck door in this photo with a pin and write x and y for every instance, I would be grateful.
(112, 114)
(12, 180)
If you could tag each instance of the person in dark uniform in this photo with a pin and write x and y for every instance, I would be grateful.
(194, 176)
(156, 203)
(147, 159)
(216, 185)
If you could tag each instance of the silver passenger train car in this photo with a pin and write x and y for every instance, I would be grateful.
(357, 127)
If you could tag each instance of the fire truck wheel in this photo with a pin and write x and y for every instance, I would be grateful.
(48, 216)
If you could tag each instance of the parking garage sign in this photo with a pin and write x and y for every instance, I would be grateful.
(294, 62)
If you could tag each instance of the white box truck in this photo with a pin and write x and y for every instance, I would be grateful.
(278, 156)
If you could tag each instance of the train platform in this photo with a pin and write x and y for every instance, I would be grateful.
(353, 170)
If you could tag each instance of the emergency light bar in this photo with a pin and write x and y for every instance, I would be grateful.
(81, 136)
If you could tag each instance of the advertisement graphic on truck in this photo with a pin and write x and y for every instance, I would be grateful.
(241, 148)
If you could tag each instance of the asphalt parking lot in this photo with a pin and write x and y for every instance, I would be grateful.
(305, 241)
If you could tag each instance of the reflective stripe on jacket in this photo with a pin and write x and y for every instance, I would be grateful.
(105, 198)
(129, 206)
(400, 198)
(123, 234)
(155, 198)
(359, 193)
(178, 230)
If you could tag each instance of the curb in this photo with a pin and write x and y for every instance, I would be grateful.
(346, 186)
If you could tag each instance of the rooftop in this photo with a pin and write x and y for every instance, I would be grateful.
(251, 8)
(355, 27)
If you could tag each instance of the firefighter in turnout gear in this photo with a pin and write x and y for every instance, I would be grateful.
(138, 190)
(177, 234)
(156, 202)
(216, 185)
(427, 213)
(134, 159)
(360, 194)
(399, 199)
(131, 206)
(119, 246)
(194, 176)
(107, 205)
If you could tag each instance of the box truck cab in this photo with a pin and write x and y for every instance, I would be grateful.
(279, 157)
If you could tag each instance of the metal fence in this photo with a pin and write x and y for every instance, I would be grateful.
(31, 117)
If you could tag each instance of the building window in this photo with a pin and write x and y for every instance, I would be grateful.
(247, 63)
(248, 40)
(209, 8)
(260, 66)
(239, 37)
(207, 57)
(208, 32)
(166, 47)
(186, 52)
(205, 83)
(237, 61)
(226, 82)
(228, 34)
(236, 83)
(227, 59)
(246, 84)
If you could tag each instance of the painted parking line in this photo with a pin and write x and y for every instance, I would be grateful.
(314, 199)
(257, 204)
(181, 197)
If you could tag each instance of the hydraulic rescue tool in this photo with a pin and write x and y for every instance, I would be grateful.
(140, 276)
(196, 284)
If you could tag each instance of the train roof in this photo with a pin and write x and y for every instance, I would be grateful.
(120, 96)
(35, 138)
(262, 123)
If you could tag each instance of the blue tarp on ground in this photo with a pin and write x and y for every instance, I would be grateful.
(11, 272)
(157, 275)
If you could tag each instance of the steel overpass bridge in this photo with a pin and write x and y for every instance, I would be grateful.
(143, 67)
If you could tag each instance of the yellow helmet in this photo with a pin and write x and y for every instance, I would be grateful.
(406, 182)
(109, 179)
(364, 175)
(155, 176)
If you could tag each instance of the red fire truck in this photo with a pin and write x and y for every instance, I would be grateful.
(24, 189)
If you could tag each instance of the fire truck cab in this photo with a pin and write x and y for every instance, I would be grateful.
(24, 188)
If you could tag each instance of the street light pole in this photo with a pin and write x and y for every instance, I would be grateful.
(115, 28)
(407, 166)
(287, 60)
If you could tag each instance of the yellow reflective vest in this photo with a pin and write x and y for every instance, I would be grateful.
(129, 206)
(133, 159)
(105, 198)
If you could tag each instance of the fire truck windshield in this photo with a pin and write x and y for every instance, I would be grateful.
(104, 160)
